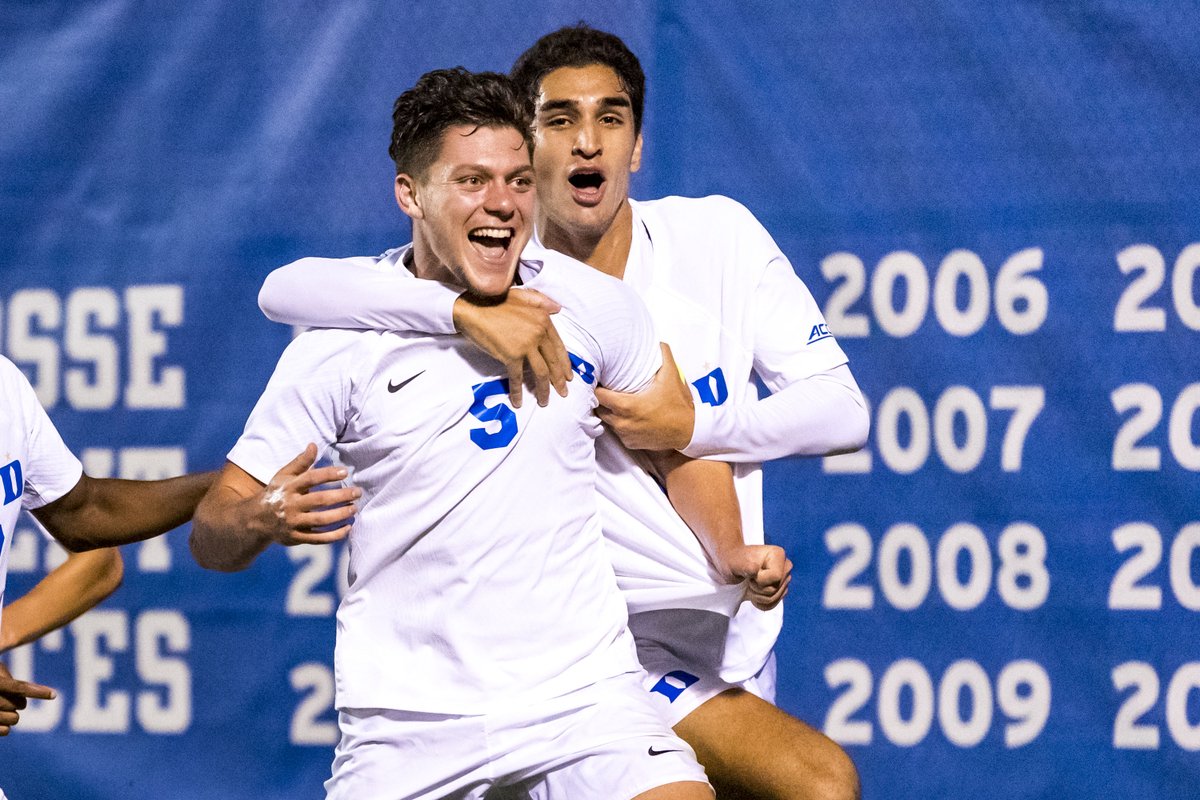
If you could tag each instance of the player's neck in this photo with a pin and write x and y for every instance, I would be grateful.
(607, 252)
(424, 263)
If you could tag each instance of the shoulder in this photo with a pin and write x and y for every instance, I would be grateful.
(388, 261)
(711, 215)
(574, 285)
(14, 385)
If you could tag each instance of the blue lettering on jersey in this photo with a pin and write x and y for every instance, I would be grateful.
(13, 481)
(818, 333)
(583, 369)
(500, 412)
(670, 690)
(712, 388)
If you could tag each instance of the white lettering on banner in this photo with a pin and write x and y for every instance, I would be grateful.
(905, 567)
(72, 348)
(161, 642)
(315, 563)
(307, 728)
(1134, 312)
(1127, 592)
(1144, 400)
(1022, 693)
(958, 409)
(1020, 299)
(1129, 732)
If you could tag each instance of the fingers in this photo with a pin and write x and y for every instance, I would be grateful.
(302, 484)
(516, 377)
(323, 537)
(536, 299)
(300, 463)
(554, 352)
(541, 378)
(13, 693)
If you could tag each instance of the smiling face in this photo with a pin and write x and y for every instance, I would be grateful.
(585, 148)
(472, 210)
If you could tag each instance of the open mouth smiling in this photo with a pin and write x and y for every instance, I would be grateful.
(588, 185)
(494, 241)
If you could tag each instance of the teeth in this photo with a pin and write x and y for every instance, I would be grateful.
(493, 233)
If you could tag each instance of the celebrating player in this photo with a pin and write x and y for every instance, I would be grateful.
(482, 642)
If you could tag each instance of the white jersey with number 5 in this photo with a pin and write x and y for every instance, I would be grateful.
(478, 576)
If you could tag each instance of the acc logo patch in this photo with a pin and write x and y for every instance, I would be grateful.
(818, 333)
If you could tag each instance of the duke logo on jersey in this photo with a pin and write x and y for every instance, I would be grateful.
(12, 481)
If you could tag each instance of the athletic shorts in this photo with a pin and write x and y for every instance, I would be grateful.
(681, 651)
(606, 740)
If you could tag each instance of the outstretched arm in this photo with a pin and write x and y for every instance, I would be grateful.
(70, 589)
(104, 512)
(240, 517)
(358, 293)
(703, 495)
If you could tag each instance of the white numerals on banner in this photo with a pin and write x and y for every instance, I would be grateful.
(905, 434)
(305, 597)
(1144, 400)
(308, 727)
(1020, 299)
(1022, 580)
(1129, 732)
(98, 322)
(1128, 592)
(963, 702)
(1134, 311)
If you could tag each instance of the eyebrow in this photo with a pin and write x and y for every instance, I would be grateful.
(570, 104)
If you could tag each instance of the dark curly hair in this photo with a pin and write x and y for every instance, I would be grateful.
(579, 46)
(444, 98)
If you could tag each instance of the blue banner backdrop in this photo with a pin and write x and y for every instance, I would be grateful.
(995, 204)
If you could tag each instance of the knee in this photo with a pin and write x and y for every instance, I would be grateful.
(838, 778)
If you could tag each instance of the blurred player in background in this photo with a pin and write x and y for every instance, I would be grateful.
(726, 299)
(39, 473)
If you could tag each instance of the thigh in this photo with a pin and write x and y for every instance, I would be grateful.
(681, 652)
(751, 749)
(391, 755)
(620, 747)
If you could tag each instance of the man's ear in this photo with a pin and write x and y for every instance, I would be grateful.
(635, 163)
(407, 196)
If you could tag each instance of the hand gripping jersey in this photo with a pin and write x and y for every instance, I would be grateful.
(478, 577)
(36, 468)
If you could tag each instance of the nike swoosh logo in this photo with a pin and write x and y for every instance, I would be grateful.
(654, 752)
(395, 387)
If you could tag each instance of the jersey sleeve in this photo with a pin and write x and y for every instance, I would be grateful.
(52, 469)
(625, 336)
(815, 406)
(308, 399)
(364, 293)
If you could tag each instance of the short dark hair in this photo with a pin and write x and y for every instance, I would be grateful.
(444, 98)
(579, 46)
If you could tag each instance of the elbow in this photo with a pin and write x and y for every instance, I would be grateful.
(858, 428)
(113, 571)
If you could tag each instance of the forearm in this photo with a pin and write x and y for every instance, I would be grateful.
(75, 586)
(105, 512)
(337, 293)
(226, 533)
(703, 495)
(821, 415)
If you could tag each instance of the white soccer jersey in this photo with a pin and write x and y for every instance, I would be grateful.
(36, 468)
(478, 577)
(727, 300)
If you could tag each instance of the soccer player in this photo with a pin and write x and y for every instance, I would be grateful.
(482, 644)
(39, 473)
(726, 299)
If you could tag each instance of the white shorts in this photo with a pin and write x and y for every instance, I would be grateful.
(606, 740)
(681, 651)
